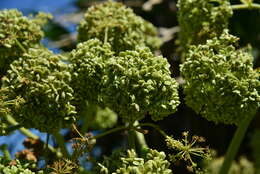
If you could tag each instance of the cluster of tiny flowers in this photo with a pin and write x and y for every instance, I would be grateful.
(5, 104)
(154, 162)
(104, 118)
(188, 151)
(88, 63)
(137, 82)
(200, 20)
(242, 166)
(17, 29)
(118, 25)
(131, 84)
(41, 79)
(221, 84)
(17, 167)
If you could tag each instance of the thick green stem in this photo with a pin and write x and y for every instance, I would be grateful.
(235, 144)
(106, 33)
(131, 139)
(61, 144)
(245, 6)
(140, 137)
(29, 134)
(88, 116)
(20, 46)
(155, 127)
(110, 131)
(24, 131)
(141, 140)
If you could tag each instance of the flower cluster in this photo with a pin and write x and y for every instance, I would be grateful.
(131, 84)
(5, 104)
(153, 162)
(41, 79)
(103, 118)
(88, 63)
(188, 151)
(18, 32)
(200, 20)
(121, 27)
(17, 167)
(221, 84)
(137, 82)
(242, 166)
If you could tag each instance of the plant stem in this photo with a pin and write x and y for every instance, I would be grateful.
(88, 116)
(235, 144)
(140, 137)
(131, 139)
(110, 131)
(155, 127)
(61, 144)
(29, 134)
(106, 33)
(20, 46)
(75, 128)
(245, 6)
(23, 130)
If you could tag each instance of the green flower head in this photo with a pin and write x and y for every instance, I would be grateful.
(152, 162)
(121, 28)
(137, 82)
(200, 20)
(17, 31)
(88, 62)
(41, 79)
(221, 84)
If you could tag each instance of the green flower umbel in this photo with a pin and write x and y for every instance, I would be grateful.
(41, 79)
(88, 62)
(118, 25)
(200, 20)
(152, 162)
(137, 82)
(18, 32)
(221, 84)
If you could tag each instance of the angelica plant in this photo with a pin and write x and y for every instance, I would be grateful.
(17, 167)
(131, 84)
(153, 162)
(221, 84)
(123, 29)
(113, 81)
(200, 20)
(41, 79)
(137, 82)
(88, 62)
(17, 34)
(188, 150)
(242, 166)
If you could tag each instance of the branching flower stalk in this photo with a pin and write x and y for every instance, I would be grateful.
(246, 6)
